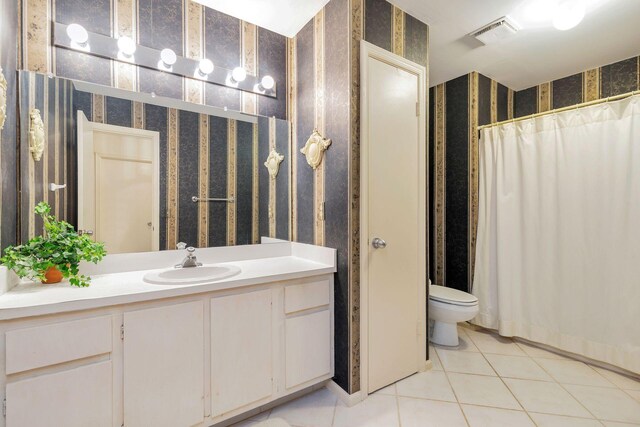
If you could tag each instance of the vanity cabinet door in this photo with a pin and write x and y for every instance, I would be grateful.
(241, 350)
(308, 347)
(77, 397)
(164, 366)
(308, 313)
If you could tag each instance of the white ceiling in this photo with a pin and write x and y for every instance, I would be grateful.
(537, 53)
(285, 17)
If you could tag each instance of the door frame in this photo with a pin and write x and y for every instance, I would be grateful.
(367, 50)
(87, 146)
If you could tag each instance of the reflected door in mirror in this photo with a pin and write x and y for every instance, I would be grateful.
(118, 186)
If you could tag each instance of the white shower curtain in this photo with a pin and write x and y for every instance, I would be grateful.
(558, 249)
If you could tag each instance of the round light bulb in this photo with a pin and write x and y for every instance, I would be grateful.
(127, 46)
(168, 57)
(569, 14)
(267, 82)
(206, 66)
(238, 74)
(77, 34)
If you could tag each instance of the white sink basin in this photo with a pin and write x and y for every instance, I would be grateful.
(191, 276)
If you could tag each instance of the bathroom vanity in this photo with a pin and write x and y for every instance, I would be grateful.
(125, 352)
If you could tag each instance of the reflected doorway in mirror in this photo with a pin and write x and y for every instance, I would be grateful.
(118, 185)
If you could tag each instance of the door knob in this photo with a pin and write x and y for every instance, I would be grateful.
(87, 232)
(378, 243)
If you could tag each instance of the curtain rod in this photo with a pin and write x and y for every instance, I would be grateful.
(559, 110)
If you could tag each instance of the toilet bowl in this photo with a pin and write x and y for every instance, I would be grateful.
(447, 307)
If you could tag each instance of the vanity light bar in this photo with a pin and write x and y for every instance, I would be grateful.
(164, 60)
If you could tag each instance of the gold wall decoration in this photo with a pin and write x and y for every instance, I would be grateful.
(3, 99)
(273, 163)
(314, 149)
(36, 135)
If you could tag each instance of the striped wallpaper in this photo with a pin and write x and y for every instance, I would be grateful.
(8, 135)
(324, 95)
(602, 82)
(200, 155)
(457, 107)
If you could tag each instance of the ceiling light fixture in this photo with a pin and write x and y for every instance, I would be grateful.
(125, 49)
(569, 14)
(79, 36)
(126, 46)
(238, 75)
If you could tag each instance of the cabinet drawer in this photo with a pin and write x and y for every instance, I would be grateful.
(79, 397)
(40, 346)
(307, 295)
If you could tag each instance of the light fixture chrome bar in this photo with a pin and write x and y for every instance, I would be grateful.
(107, 47)
(162, 101)
(196, 199)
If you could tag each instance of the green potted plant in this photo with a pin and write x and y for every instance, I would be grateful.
(54, 255)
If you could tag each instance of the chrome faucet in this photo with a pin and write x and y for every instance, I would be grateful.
(190, 260)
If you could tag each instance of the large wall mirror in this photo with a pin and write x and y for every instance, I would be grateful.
(143, 173)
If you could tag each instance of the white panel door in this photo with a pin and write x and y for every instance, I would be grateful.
(393, 212)
(164, 366)
(241, 350)
(118, 186)
(78, 397)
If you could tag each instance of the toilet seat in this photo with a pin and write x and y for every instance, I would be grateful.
(451, 296)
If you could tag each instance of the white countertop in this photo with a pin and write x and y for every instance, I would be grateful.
(124, 287)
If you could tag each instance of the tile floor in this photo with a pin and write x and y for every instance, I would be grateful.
(488, 381)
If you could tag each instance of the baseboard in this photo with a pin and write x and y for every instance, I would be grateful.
(348, 399)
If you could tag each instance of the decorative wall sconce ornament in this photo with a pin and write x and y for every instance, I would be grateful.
(273, 163)
(3, 99)
(314, 149)
(36, 135)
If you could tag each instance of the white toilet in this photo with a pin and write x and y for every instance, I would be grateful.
(447, 307)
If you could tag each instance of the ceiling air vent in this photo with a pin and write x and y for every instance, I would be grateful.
(496, 31)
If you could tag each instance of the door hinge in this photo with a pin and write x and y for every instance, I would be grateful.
(4, 407)
(417, 109)
(122, 332)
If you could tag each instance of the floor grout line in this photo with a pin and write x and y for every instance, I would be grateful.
(503, 382)
(554, 380)
(398, 404)
(565, 389)
(537, 361)
(453, 390)
(335, 409)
